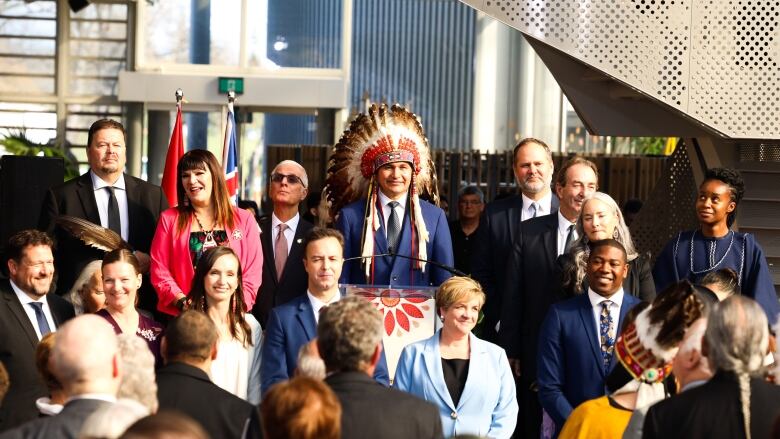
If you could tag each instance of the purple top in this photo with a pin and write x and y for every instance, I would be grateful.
(148, 329)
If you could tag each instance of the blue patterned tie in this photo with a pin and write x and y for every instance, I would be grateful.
(606, 333)
(43, 325)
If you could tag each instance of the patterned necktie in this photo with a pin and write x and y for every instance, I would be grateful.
(280, 251)
(43, 325)
(113, 212)
(393, 228)
(606, 332)
(534, 209)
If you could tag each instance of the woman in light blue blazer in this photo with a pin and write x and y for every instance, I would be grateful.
(467, 378)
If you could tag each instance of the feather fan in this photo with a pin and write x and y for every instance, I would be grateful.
(91, 234)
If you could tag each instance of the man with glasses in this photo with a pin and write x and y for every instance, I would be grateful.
(27, 313)
(471, 203)
(283, 275)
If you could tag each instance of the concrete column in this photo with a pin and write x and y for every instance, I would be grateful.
(158, 137)
(135, 140)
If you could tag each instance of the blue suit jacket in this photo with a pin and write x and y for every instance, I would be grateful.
(390, 270)
(570, 369)
(290, 326)
(488, 404)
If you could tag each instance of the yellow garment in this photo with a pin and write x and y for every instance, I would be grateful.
(596, 419)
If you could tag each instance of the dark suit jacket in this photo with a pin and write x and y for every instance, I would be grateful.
(294, 281)
(189, 390)
(370, 410)
(291, 326)
(76, 198)
(499, 227)
(17, 353)
(66, 425)
(713, 411)
(570, 366)
(390, 270)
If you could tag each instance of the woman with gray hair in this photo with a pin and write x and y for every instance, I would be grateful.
(601, 218)
(138, 379)
(87, 295)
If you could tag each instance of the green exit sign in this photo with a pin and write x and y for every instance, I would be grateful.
(231, 84)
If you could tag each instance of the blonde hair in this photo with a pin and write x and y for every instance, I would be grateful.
(458, 289)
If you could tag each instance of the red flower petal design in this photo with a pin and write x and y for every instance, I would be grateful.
(389, 323)
(412, 310)
(416, 298)
(403, 321)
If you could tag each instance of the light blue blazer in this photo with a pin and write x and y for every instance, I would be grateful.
(488, 405)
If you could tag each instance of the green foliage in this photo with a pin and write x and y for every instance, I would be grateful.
(649, 145)
(16, 142)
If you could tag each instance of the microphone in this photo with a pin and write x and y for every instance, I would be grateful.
(447, 268)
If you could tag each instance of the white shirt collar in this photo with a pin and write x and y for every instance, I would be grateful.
(563, 224)
(384, 199)
(99, 396)
(596, 299)
(543, 203)
(292, 223)
(317, 304)
(24, 298)
(98, 183)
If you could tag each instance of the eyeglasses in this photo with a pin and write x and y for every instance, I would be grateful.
(292, 179)
(470, 202)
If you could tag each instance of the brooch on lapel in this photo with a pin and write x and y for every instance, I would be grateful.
(237, 235)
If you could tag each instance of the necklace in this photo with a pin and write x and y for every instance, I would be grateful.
(209, 241)
(711, 258)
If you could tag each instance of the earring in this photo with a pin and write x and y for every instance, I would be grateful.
(202, 304)
(614, 233)
(233, 299)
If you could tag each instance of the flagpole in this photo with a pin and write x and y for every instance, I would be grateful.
(175, 151)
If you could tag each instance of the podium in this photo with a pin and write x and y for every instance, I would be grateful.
(408, 315)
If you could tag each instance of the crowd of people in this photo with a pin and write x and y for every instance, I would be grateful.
(124, 317)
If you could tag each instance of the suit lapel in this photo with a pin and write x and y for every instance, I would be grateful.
(432, 359)
(477, 365)
(586, 314)
(268, 248)
(306, 318)
(380, 238)
(86, 196)
(133, 204)
(13, 304)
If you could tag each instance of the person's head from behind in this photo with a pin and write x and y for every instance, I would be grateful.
(471, 203)
(607, 267)
(719, 194)
(87, 295)
(349, 336)
(737, 336)
(190, 338)
(724, 282)
(42, 363)
(138, 379)
(301, 408)
(121, 279)
(323, 258)
(110, 421)
(458, 301)
(31, 262)
(309, 362)
(689, 364)
(165, 425)
(85, 357)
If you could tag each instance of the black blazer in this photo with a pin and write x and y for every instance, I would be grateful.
(294, 281)
(17, 353)
(76, 198)
(530, 289)
(498, 229)
(639, 282)
(370, 410)
(713, 411)
(189, 390)
(66, 425)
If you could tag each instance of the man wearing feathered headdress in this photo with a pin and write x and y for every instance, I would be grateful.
(379, 170)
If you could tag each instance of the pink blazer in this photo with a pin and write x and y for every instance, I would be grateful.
(171, 267)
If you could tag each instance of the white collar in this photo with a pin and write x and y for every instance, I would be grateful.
(384, 199)
(23, 297)
(99, 396)
(596, 299)
(563, 224)
(317, 304)
(292, 223)
(545, 202)
(99, 183)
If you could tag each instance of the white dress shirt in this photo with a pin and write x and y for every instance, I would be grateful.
(317, 304)
(400, 210)
(544, 206)
(26, 300)
(563, 232)
(101, 198)
(289, 233)
(614, 308)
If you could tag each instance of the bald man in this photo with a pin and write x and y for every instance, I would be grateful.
(85, 359)
(284, 278)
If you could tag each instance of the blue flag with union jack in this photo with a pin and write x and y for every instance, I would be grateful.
(230, 156)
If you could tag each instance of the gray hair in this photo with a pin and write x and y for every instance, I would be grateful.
(472, 190)
(348, 333)
(737, 338)
(138, 379)
(310, 364)
(574, 274)
(74, 295)
(110, 421)
(304, 177)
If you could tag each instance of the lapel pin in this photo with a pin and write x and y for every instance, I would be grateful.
(299, 240)
(237, 235)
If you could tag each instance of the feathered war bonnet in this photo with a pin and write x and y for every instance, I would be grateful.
(384, 135)
(646, 347)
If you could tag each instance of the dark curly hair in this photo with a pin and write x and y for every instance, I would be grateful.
(733, 179)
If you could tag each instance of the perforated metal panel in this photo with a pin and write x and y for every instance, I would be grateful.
(715, 60)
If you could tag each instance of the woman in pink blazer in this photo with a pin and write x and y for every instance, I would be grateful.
(204, 218)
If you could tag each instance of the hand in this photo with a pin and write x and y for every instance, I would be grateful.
(514, 364)
(143, 260)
